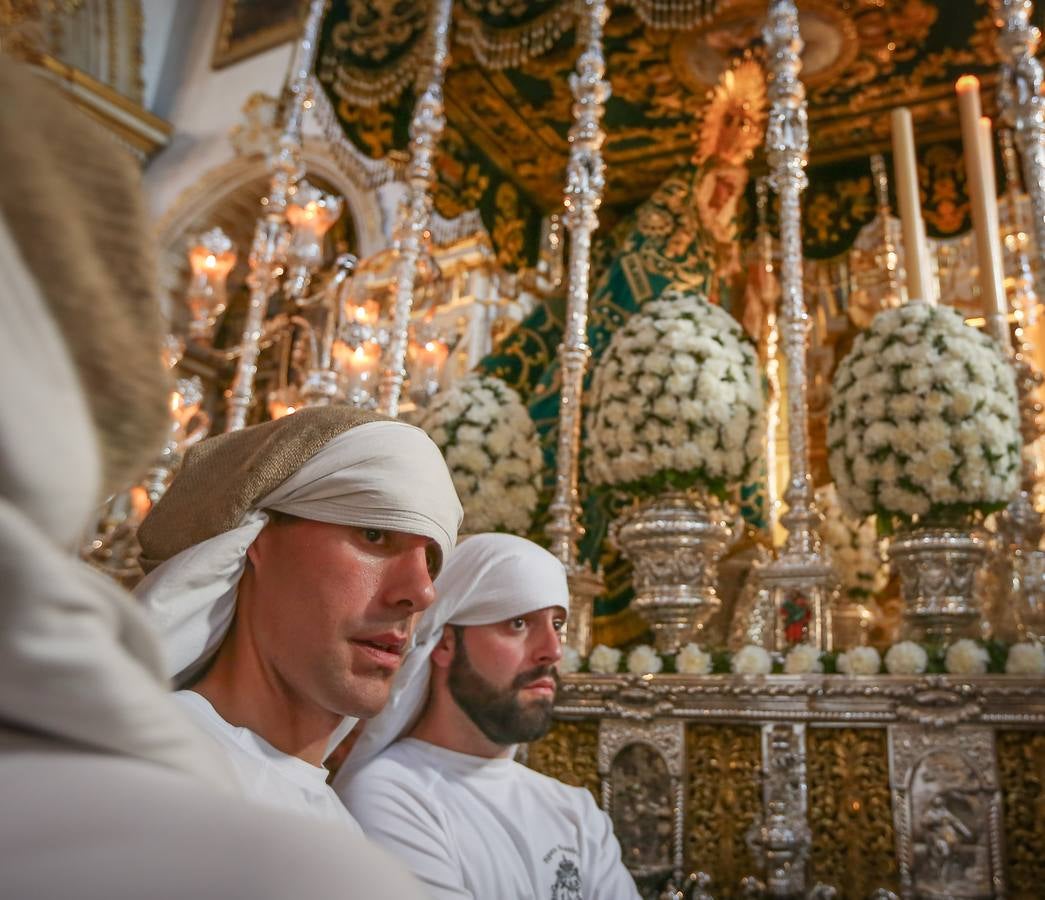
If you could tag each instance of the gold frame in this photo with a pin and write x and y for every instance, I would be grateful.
(228, 50)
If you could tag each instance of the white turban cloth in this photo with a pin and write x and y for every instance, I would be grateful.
(384, 474)
(489, 578)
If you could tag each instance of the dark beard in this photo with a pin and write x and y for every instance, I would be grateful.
(497, 712)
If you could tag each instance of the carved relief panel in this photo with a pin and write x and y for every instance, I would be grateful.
(642, 765)
(947, 812)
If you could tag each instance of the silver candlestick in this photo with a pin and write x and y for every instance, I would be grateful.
(268, 252)
(584, 184)
(800, 581)
(426, 128)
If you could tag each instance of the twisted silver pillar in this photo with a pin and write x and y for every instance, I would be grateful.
(426, 127)
(269, 249)
(800, 577)
(1023, 107)
(584, 184)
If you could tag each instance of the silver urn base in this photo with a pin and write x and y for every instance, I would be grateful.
(674, 542)
(937, 568)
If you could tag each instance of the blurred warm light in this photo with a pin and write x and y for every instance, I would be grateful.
(283, 401)
(211, 259)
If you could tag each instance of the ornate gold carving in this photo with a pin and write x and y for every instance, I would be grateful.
(569, 752)
(1021, 771)
(723, 800)
(849, 809)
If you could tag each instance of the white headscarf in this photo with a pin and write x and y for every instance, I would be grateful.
(77, 659)
(386, 475)
(487, 579)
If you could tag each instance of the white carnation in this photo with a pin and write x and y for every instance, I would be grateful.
(604, 660)
(803, 659)
(906, 658)
(859, 661)
(751, 660)
(1026, 659)
(966, 657)
(691, 660)
(644, 660)
(570, 662)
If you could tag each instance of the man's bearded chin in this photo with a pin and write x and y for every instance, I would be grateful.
(498, 712)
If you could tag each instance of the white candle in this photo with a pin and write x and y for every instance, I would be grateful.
(983, 198)
(916, 248)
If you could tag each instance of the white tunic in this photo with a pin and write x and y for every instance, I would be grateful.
(268, 775)
(481, 828)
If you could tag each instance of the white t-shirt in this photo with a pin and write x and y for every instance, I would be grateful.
(268, 775)
(481, 828)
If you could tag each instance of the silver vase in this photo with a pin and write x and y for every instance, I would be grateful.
(937, 569)
(674, 542)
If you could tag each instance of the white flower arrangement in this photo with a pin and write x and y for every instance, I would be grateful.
(676, 400)
(906, 658)
(644, 660)
(966, 657)
(1025, 659)
(854, 546)
(751, 660)
(570, 662)
(691, 660)
(923, 419)
(803, 659)
(492, 450)
(604, 660)
(859, 661)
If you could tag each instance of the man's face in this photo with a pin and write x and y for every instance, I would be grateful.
(504, 676)
(330, 608)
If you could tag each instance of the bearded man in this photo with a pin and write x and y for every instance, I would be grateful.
(293, 557)
(433, 777)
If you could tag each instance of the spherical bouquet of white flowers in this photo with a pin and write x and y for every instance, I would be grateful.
(676, 401)
(491, 449)
(854, 547)
(923, 420)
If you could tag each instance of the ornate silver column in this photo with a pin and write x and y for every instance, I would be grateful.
(1023, 107)
(800, 578)
(1020, 526)
(269, 249)
(584, 184)
(426, 128)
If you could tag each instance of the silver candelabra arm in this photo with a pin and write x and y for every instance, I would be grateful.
(271, 236)
(426, 128)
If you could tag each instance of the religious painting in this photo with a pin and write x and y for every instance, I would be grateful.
(249, 27)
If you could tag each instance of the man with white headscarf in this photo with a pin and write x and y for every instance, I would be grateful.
(109, 790)
(288, 562)
(433, 777)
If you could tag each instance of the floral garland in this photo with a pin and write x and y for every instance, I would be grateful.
(923, 420)
(854, 546)
(491, 449)
(963, 657)
(676, 401)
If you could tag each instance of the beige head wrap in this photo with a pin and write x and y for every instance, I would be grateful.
(83, 411)
(331, 464)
